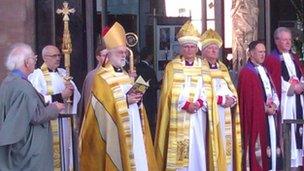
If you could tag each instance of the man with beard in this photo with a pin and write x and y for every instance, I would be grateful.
(115, 134)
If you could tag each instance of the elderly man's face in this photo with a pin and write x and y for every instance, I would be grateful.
(31, 62)
(189, 50)
(118, 55)
(52, 57)
(211, 51)
(258, 54)
(283, 41)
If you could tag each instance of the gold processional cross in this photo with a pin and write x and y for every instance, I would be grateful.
(66, 41)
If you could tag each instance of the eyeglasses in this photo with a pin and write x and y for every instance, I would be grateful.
(34, 57)
(54, 55)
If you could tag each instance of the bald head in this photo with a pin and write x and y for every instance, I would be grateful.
(51, 56)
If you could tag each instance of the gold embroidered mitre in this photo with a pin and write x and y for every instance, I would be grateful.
(115, 36)
(188, 34)
(210, 36)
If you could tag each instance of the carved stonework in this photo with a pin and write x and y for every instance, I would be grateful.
(245, 29)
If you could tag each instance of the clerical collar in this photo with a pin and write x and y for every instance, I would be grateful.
(56, 70)
(212, 66)
(187, 63)
(117, 69)
(19, 73)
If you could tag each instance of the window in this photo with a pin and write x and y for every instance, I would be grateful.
(189, 8)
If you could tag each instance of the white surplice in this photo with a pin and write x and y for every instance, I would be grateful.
(222, 89)
(197, 147)
(288, 109)
(38, 80)
(270, 93)
(139, 150)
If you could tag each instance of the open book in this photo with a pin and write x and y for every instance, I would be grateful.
(140, 86)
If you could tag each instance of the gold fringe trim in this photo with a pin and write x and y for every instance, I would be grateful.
(48, 79)
(121, 107)
(54, 123)
(219, 156)
(179, 127)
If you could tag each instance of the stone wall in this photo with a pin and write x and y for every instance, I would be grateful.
(17, 24)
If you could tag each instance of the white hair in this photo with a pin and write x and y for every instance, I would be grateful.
(18, 53)
(280, 30)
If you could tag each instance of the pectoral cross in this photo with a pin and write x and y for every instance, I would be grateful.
(65, 11)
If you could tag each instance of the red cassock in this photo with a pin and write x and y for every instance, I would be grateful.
(276, 69)
(254, 120)
(273, 65)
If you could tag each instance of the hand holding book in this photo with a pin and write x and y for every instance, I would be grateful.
(140, 86)
(136, 92)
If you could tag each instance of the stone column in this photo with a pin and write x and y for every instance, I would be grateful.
(245, 29)
(17, 25)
